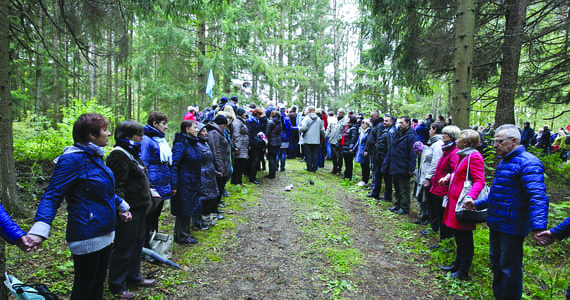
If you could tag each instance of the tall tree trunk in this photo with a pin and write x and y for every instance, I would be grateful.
(463, 62)
(336, 52)
(202, 77)
(93, 72)
(8, 191)
(514, 30)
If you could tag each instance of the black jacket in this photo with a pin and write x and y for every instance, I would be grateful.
(350, 138)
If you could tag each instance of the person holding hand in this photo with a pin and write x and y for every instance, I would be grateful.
(82, 179)
(558, 233)
(12, 233)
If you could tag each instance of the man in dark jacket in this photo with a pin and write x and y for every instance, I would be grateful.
(381, 149)
(370, 150)
(221, 150)
(526, 135)
(517, 205)
(400, 163)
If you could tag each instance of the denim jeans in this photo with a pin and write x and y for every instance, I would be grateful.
(282, 157)
(506, 256)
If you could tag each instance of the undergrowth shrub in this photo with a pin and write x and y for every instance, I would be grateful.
(35, 139)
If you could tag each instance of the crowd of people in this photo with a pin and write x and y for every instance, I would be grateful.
(114, 205)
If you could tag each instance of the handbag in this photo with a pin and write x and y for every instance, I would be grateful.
(155, 201)
(465, 215)
(23, 291)
(161, 243)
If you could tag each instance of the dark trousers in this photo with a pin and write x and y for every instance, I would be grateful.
(402, 192)
(436, 216)
(152, 221)
(311, 157)
(182, 228)
(336, 152)
(506, 256)
(348, 162)
(365, 167)
(293, 145)
(253, 164)
(125, 265)
(240, 165)
(221, 182)
(90, 272)
(272, 159)
(465, 250)
(322, 152)
(378, 176)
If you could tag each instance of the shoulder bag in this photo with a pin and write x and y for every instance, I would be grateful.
(464, 215)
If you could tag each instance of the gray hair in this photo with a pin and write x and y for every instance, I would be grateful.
(451, 130)
(311, 109)
(511, 131)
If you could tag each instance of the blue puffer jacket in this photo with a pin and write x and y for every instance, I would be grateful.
(287, 127)
(9, 230)
(401, 157)
(185, 176)
(360, 147)
(517, 202)
(88, 186)
(562, 231)
(158, 172)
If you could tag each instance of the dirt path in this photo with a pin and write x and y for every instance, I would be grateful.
(268, 256)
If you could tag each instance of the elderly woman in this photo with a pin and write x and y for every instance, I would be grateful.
(360, 148)
(221, 151)
(157, 157)
(273, 134)
(445, 168)
(348, 141)
(426, 170)
(185, 181)
(470, 167)
(82, 179)
(131, 184)
(240, 140)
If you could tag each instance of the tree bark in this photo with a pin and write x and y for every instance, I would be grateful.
(202, 77)
(513, 37)
(463, 63)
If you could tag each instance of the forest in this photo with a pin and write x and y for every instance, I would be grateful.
(476, 62)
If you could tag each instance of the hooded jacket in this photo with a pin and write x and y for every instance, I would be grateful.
(158, 171)
(273, 132)
(312, 127)
(401, 157)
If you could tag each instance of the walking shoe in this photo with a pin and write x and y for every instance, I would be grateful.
(394, 208)
(145, 283)
(125, 295)
(401, 212)
(451, 268)
(460, 276)
(373, 196)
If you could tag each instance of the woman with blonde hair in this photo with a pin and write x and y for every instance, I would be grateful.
(470, 167)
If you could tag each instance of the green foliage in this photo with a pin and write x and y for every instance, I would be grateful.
(35, 139)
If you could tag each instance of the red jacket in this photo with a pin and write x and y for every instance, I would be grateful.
(445, 166)
(477, 176)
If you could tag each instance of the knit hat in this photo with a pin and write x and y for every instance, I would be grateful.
(240, 111)
(224, 99)
(234, 98)
(221, 120)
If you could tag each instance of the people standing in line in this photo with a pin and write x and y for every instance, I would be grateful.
(428, 163)
(321, 152)
(286, 137)
(526, 135)
(429, 120)
(516, 206)
(444, 169)
(335, 136)
(256, 145)
(157, 157)
(185, 181)
(360, 149)
(191, 114)
(430, 158)
(331, 119)
(132, 185)
(273, 134)
(208, 191)
(263, 119)
(312, 129)
(88, 186)
(400, 163)
(240, 139)
(383, 140)
(221, 151)
(348, 143)
(470, 167)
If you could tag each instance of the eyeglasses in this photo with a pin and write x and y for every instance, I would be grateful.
(500, 141)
